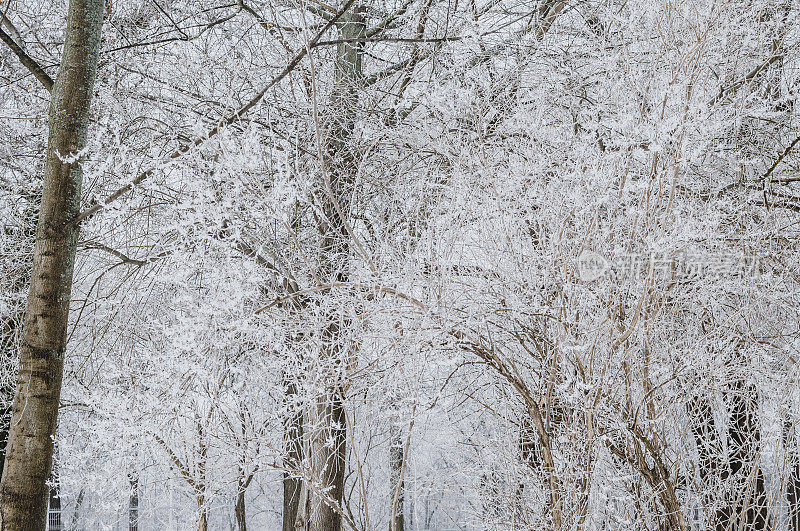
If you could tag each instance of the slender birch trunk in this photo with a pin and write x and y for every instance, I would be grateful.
(29, 454)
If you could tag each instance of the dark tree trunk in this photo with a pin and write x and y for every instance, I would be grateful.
(202, 523)
(744, 436)
(239, 511)
(326, 431)
(6, 391)
(744, 504)
(293, 444)
(133, 505)
(709, 449)
(76, 514)
(793, 481)
(397, 491)
(706, 438)
(29, 454)
(327, 424)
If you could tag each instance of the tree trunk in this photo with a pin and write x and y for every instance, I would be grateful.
(293, 443)
(202, 523)
(745, 505)
(76, 514)
(744, 435)
(133, 504)
(200, 485)
(239, 511)
(396, 461)
(29, 454)
(397, 491)
(7, 346)
(709, 450)
(793, 481)
(326, 433)
(327, 458)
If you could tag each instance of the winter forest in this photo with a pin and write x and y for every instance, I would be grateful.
(399, 264)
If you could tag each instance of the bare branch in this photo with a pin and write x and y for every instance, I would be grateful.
(27, 61)
(233, 118)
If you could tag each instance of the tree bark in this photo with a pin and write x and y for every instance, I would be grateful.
(744, 505)
(133, 504)
(239, 511)
(397, 490)
(293, 443)
(326, 433)
(200, 484)
(76, 514)
(7, 347)
(744, 436)
(202, 522)
(793, 481)
(709, 449)
(29, 454)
